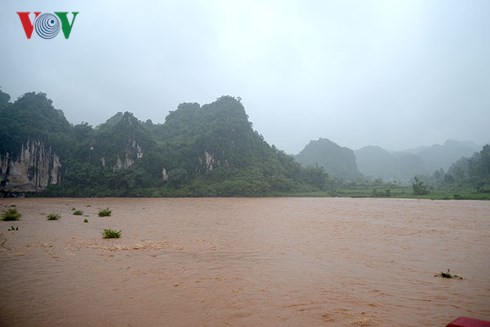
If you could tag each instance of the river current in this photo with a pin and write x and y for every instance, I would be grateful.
(245, 262)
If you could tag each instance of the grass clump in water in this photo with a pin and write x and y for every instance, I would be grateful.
(448, 275)
(78, 213)
(105, 212)
(11, 215)
(110, 233)
(54, 216)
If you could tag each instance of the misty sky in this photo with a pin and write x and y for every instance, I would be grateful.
(392, 73)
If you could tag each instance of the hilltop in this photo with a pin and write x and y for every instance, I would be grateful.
(208, 150)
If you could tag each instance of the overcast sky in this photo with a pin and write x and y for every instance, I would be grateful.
(392, 73)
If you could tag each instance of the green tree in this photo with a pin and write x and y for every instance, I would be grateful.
(4, 98)
(485, 160)
(205, 150)
(419, 188)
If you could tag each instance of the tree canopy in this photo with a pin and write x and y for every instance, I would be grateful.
(209, 150)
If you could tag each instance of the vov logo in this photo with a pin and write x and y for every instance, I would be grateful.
(47, 25)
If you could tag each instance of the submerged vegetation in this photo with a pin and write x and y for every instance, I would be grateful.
(105, 212)
(11, 215)
(110, 233)
(53, 216)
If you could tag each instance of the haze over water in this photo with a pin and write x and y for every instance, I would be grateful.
(245, 262)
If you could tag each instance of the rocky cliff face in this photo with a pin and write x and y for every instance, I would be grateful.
(132, 152)
(208, 162)
(207, 150)
(36, 167)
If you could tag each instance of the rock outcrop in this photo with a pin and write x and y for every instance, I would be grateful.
(32, 170)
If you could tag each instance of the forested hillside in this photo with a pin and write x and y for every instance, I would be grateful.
(467, 172)
(439, 156)
(339, 162)
(209, 150)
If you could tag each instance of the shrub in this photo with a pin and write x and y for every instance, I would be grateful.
(85, 220)
(78, 212)
(110, 233)
(385, 193)
(11, 215)
(419, 188)
(105, 212)
(54, 216)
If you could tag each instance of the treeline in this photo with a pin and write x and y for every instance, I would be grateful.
(466, 173)
(209, 150)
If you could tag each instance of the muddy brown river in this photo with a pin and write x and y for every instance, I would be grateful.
(245, 262)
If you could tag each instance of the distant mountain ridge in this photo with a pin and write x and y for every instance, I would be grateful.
(375, 162)
(208, 150)
(442, 156)
(404, 165)
(338, 161)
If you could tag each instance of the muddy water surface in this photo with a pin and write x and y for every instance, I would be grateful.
(245, 262)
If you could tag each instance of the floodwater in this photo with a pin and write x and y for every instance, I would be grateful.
(245, 262)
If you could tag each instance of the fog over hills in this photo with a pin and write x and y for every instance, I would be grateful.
(442, 156)
(339, 162)
(396, 74)
(203, 150)
(376, 162)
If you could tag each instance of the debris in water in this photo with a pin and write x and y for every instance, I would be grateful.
(448, 275)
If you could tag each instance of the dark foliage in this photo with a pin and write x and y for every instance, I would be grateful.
(209, 150)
